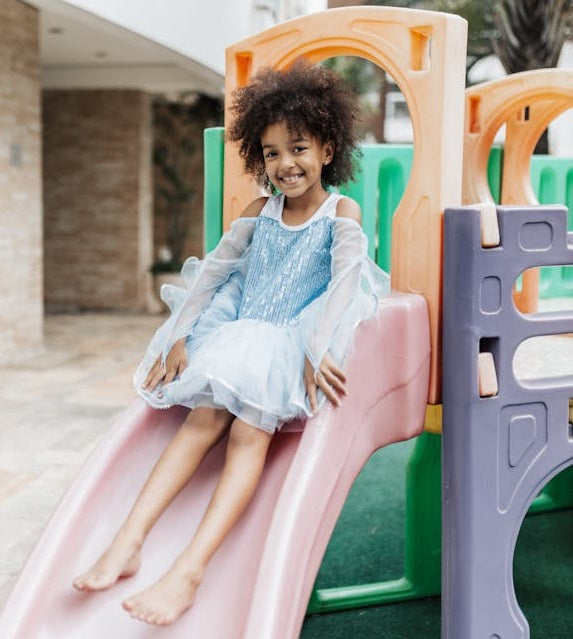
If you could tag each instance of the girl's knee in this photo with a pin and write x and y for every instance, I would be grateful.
(213, 422)
(243, 434)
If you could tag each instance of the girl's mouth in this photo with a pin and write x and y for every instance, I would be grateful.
(291, 179)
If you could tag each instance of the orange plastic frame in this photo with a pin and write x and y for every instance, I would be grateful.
(526, 102)
(425, 53)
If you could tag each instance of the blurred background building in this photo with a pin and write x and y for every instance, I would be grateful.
(93, 96)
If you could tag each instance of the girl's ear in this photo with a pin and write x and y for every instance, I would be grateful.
(328, 150)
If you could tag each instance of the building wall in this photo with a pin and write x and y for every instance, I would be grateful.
(21, 315)
(97, 199)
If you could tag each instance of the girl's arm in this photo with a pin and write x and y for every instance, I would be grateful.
(352, 272)
(206, 276)
(202, 279)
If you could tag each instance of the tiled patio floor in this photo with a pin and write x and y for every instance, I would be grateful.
(54, 409)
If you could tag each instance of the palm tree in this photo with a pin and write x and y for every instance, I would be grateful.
(531, 33)
(478, 13)
(530, 36)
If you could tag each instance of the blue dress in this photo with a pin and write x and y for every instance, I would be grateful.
(268, 295)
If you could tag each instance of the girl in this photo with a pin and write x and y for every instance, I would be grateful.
(260, 334)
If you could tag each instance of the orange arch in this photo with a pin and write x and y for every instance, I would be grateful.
(526, 102)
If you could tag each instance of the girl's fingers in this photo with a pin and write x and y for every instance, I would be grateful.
(156, 374)
(326, 388)
(329, 378)
(175, 370)
(335, 381)
(341, 376)
(327, 363)
(156, 379)
(311, 392)
(152, 373)
(182, 366)
(174, 365)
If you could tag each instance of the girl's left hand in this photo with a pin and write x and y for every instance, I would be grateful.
(329, 378)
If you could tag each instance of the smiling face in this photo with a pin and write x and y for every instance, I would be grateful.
(294, 160)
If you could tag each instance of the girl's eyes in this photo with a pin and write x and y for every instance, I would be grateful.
(269, 155)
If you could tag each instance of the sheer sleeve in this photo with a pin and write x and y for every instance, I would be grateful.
(203, 278)
(351, 296)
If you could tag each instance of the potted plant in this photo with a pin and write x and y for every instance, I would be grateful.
(178, 165)
(175, 194)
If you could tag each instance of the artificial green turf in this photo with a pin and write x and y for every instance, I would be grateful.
(367, 546)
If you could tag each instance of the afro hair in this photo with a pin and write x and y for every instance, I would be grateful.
(309, 99)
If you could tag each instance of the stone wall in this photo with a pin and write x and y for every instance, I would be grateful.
(21, 312)
(97, 199)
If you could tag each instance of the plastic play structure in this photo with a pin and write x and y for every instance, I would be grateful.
(384, 172)
(394, 375)
(504, 439)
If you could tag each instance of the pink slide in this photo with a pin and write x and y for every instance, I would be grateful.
(258, 584)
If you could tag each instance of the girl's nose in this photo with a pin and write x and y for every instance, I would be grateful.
(287, 160)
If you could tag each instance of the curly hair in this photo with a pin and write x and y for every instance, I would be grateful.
(309, 99)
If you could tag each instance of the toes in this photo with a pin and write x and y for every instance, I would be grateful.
(157, 619)
(141, 612)
(82, 581)
(82, 584)
(91, 582)
(128, 604)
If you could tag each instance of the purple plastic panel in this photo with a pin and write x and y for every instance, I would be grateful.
(498, 451)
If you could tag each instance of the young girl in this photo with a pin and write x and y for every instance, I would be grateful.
(260, 334)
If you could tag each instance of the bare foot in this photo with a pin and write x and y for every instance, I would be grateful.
(167, 600)
(121, 559)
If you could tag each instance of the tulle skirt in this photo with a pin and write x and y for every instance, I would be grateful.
(252, 368)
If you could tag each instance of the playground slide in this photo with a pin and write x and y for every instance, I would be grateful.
(258, 583)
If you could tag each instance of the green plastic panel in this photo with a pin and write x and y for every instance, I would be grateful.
(552, 182)
(214, 153)
(422, 550)
(384, 170)
(494, 169)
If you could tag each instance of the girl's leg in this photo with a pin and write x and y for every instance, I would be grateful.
(175, 591)
(201, 430)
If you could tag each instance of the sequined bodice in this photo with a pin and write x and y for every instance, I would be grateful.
(288, 267)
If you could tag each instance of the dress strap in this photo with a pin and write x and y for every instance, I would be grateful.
(329, 206)
(273, 207)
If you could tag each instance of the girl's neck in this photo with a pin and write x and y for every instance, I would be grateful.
(300, 209)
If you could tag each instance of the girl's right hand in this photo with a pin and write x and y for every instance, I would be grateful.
(175, 364)
(329, 378)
